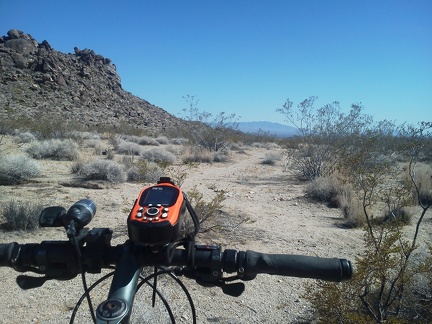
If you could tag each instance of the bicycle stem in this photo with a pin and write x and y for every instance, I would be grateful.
(117, 308)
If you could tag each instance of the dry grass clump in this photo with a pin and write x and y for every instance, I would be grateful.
(15, 169)
(105, 170)
(325, 190)
(336, 194)
(21, 216)
(271, 158)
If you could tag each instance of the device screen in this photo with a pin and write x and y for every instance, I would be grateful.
(165, 196)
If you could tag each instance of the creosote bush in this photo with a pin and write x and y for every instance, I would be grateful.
(205, 209)
(16, 169)
(385, 287)
(21, 216)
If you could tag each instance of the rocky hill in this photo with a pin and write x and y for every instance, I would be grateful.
(81, 87)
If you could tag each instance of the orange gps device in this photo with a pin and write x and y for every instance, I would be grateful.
(157, 214)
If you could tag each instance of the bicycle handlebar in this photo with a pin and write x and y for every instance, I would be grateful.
(57, 260)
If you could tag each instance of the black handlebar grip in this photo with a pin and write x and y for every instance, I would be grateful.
(329, 269)
(6, 252)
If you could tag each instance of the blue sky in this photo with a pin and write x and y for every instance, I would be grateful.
(248, 57)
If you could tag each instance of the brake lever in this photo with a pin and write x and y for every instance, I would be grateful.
(234, 289)
(28, 282)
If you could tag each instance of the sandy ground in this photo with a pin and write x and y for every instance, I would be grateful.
(265, 211)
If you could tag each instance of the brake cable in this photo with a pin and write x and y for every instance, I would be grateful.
(74, 239)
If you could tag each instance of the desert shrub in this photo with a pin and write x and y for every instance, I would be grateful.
(83, 135)
(146, 140)
(271, 158)
(15, 169)
(271, 146)
(129, 148)
(237, 147)
(55, 149)
(162, 140)
(202, 155)
(378, 291)
(178, 141)
(141, 140)
(195, 155)
(212, 132)
(159, 155)
(257, 144)
(400, 215)
(205, 209)
(110, 154)
(382, 288)
(25, 137)
(97, 144)
(21, 216)
(221, 156)
(105, 170)
(144, 171)
(77, 166)
(179, 172)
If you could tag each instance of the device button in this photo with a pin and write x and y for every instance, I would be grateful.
(139, 215)
(152, 211)
(164, 215)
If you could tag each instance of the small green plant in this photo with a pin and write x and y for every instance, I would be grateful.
(206, 209)
(179, 172)
(16, 169)
(21, 217)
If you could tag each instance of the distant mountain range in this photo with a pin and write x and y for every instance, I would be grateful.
(274, 129)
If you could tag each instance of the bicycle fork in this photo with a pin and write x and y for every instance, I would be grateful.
(117, 308)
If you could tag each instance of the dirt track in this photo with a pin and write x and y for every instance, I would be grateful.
(264, 211)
